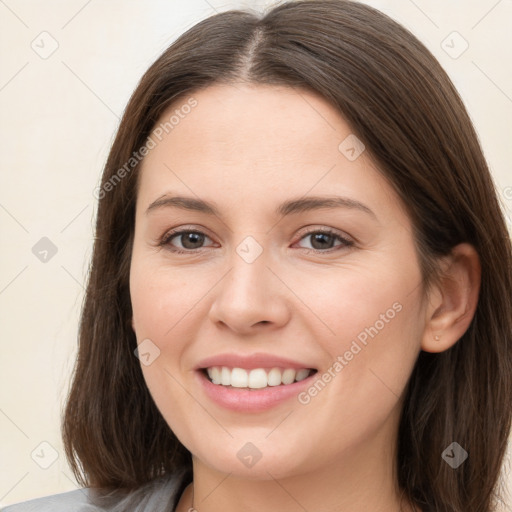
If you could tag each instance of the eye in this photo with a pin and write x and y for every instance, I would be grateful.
(322, 240)
(190, 240)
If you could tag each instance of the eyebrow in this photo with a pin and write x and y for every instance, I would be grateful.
(290, 207)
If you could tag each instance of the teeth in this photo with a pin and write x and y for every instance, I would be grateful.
(214, 374)
(274, 377)
(302, 374)
(239, 378)
(225, 376)
(257, 378)
(288, 376)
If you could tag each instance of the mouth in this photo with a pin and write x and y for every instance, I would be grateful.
(255, 378)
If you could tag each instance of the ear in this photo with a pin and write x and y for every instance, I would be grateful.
(452, 302)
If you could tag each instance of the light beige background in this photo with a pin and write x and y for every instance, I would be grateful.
(58, 118)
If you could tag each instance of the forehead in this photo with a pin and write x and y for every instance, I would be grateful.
(255, 142)
(267, 123)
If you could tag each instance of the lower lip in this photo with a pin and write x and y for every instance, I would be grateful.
(252, 400)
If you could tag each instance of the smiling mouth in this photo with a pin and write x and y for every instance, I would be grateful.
(256, 378)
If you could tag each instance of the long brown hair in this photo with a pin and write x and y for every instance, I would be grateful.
(402, 105)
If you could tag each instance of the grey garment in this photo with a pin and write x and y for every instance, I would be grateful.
(160, 495)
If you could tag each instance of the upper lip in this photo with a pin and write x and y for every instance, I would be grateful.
(258, 360)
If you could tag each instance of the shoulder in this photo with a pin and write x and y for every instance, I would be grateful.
(160, 494)
(72, 501)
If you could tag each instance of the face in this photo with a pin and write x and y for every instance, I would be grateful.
(263, 277)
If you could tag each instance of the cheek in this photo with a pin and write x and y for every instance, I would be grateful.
(162, 303)
(166, 303)
(161, 299)
(362, 303)
(371, 326)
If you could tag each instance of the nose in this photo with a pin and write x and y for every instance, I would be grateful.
(251, 296)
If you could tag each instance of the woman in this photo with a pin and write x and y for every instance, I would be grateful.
(300, 292)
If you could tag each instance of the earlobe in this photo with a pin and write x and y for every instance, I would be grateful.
(453, 301)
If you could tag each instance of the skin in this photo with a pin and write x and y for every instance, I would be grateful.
(247, 149)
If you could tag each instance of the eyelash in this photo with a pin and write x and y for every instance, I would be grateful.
(165, 241)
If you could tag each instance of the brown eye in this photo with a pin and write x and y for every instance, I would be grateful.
(324, 240)
(189, 240)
